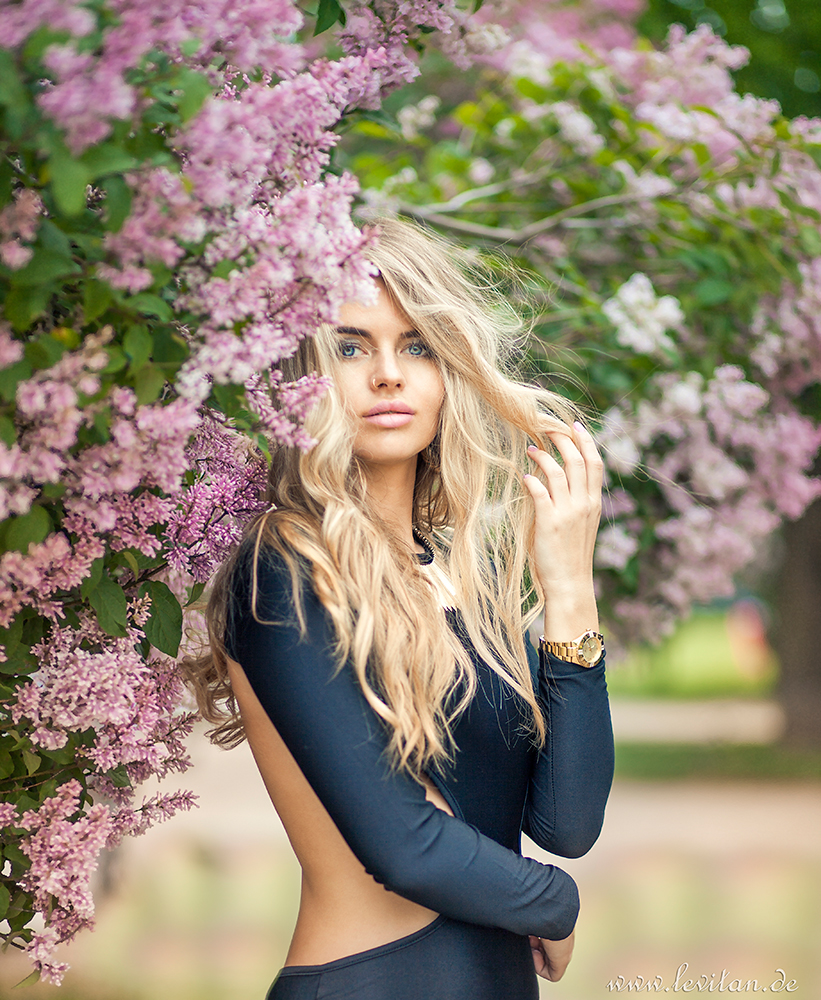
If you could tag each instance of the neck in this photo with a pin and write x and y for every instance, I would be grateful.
(390, 490)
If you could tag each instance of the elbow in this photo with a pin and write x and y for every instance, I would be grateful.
(572, 840)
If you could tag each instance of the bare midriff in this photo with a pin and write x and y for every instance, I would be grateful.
(342, 909)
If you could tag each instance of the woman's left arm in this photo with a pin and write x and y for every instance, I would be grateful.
(573, 774)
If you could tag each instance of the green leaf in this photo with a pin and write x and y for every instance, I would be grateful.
(10, 637)
(108, 600)
(148, 384)
(67, 336)
(27, 529)
(97, 297)
(164, 627)
(132, 562)
(92, 581)
(25, 303)
(12, 92)
(196, 88)
(69, 179)
(137, 345)
(327, 15)
(8, 435)
(190, 47)
(713, 291)
(31, 760)
(13, 853)
(224, 268)
(106, 159)
(118, 776)
(44, 352)
(195, 593)
(11, 376)
(116, 359)
(51, 237)
(43, 267)
(117, 202)
(6, 176)
(169, 347)
(810, 240)
(30, 980)
(152, 305)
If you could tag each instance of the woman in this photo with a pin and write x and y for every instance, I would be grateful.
(371, 634)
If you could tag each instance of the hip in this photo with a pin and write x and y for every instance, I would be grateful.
(447, 959)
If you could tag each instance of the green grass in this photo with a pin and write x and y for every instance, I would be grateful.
(671, 761)
(713, 654)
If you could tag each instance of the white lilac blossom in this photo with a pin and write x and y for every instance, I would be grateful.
(577, 128)
(414, 118)
(642, 318)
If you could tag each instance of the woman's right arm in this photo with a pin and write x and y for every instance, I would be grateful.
(402, 839)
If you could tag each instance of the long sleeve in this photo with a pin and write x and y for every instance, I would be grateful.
(404, 841)
(571, 780)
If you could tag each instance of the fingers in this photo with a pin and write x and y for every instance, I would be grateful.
(582, 469)
(551, 958)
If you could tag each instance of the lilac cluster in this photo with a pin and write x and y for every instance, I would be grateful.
(90, 85)
(226, 494)
(238, 237)
(729, 470)
(18, 226)
(88, 681)
(384, 28)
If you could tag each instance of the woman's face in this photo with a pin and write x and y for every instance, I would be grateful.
(388, 379)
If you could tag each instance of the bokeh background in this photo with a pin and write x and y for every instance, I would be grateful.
(710, 853)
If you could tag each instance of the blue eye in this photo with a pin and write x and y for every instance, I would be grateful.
(423, 348)
(343, 348)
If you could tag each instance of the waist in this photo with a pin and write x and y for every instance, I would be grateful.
(351, 915)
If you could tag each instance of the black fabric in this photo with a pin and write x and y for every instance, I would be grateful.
(447, 960)
(466, 867)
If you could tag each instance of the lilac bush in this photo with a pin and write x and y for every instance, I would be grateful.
(671, 229)
(170, 229)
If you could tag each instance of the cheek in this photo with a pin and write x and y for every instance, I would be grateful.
(437, 395)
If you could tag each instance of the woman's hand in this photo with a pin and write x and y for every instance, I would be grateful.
(567, 515)
(551, 958)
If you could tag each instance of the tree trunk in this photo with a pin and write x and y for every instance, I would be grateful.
(798, 630)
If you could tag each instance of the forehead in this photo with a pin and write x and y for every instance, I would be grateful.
(383, 316)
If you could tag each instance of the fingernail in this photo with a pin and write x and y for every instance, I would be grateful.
(578, 425)
(531, 447)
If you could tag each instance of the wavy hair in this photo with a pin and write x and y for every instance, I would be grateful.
(468, 498)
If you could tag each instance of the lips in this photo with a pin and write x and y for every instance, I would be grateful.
(389, 418)
(390, 407)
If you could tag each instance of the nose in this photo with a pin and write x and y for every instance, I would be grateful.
(387, 371)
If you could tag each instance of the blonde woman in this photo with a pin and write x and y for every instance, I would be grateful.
(369, 639)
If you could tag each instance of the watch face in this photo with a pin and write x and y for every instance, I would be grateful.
(590, 649)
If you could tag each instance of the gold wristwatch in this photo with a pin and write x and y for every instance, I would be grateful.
(586, 651)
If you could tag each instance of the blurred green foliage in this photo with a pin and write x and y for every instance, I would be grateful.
(671, 761)
(702, 659)
(784, 37)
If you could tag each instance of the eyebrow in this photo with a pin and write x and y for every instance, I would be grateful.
(354, 331)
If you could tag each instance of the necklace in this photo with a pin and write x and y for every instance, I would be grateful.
(425, 558)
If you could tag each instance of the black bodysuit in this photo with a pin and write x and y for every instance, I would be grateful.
(467, 867)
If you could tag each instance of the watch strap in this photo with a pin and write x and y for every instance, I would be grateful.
(575, 650)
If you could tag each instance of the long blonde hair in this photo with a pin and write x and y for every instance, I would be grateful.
(468, 498)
